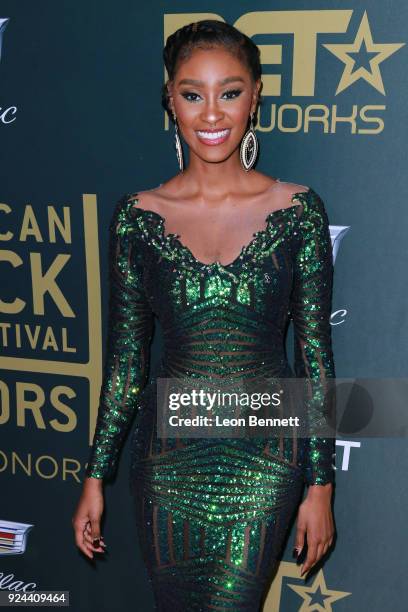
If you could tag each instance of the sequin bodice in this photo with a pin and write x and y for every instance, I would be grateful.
(217, 320)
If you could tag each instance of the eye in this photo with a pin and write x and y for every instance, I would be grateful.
(192, 97)
(187, 94)
(235, 92)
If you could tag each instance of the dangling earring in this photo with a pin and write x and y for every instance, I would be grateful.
(177, 143)
(249, 148)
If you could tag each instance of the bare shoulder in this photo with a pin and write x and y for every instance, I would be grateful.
(149, 199)
(161, 198)
(283, 191)
(291, 189)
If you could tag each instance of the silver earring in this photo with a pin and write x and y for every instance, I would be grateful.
(249, 148)
(177, 143)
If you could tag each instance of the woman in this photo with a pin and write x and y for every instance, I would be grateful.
(223, 255)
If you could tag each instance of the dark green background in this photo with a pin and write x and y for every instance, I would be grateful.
(86, 78)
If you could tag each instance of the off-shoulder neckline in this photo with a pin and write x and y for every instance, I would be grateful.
(174, 239)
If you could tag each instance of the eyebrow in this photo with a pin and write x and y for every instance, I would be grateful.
(221, 82)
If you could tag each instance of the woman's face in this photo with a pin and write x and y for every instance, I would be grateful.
(212, 96)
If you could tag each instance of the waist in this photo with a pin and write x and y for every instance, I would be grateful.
(266, 364)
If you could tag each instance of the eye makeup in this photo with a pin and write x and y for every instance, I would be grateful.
(187, 94)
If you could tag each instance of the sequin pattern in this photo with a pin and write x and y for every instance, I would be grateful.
(212, 513)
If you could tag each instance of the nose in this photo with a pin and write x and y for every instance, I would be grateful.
(211, 112)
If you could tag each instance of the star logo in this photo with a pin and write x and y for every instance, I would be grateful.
(363, 43)
(3, 25)
(317, 597)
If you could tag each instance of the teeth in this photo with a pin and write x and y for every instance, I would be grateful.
(213, 135)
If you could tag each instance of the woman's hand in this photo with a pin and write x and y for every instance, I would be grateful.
(315, 520)
(87, 518)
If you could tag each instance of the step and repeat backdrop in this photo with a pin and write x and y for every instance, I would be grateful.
(81, 123)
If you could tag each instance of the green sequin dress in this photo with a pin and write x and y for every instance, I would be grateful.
(212, 514)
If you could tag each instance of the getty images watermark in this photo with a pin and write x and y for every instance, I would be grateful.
(275, 407)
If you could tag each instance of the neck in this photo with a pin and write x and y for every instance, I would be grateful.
(215, 178)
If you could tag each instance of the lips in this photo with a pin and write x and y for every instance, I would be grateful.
(213, 137)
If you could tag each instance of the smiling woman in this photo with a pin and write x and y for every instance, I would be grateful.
(224, 256)
(240, 59)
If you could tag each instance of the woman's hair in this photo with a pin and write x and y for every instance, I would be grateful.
(206, 34)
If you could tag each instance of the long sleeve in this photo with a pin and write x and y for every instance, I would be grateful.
(130, 327)
(311, 309)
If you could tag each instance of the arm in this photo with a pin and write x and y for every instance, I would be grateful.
(130, 327)
(311, 310)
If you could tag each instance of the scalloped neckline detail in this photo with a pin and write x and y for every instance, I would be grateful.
(174, 239)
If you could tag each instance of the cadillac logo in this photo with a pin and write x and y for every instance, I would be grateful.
(13, 537)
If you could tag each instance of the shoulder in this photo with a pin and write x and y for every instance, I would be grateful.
(124, 214)
(133, 217)
(310, 207)
(294, 193)
(153, 200)
(293, 188)
(312, 215)
(288, 193)
(310, 200)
